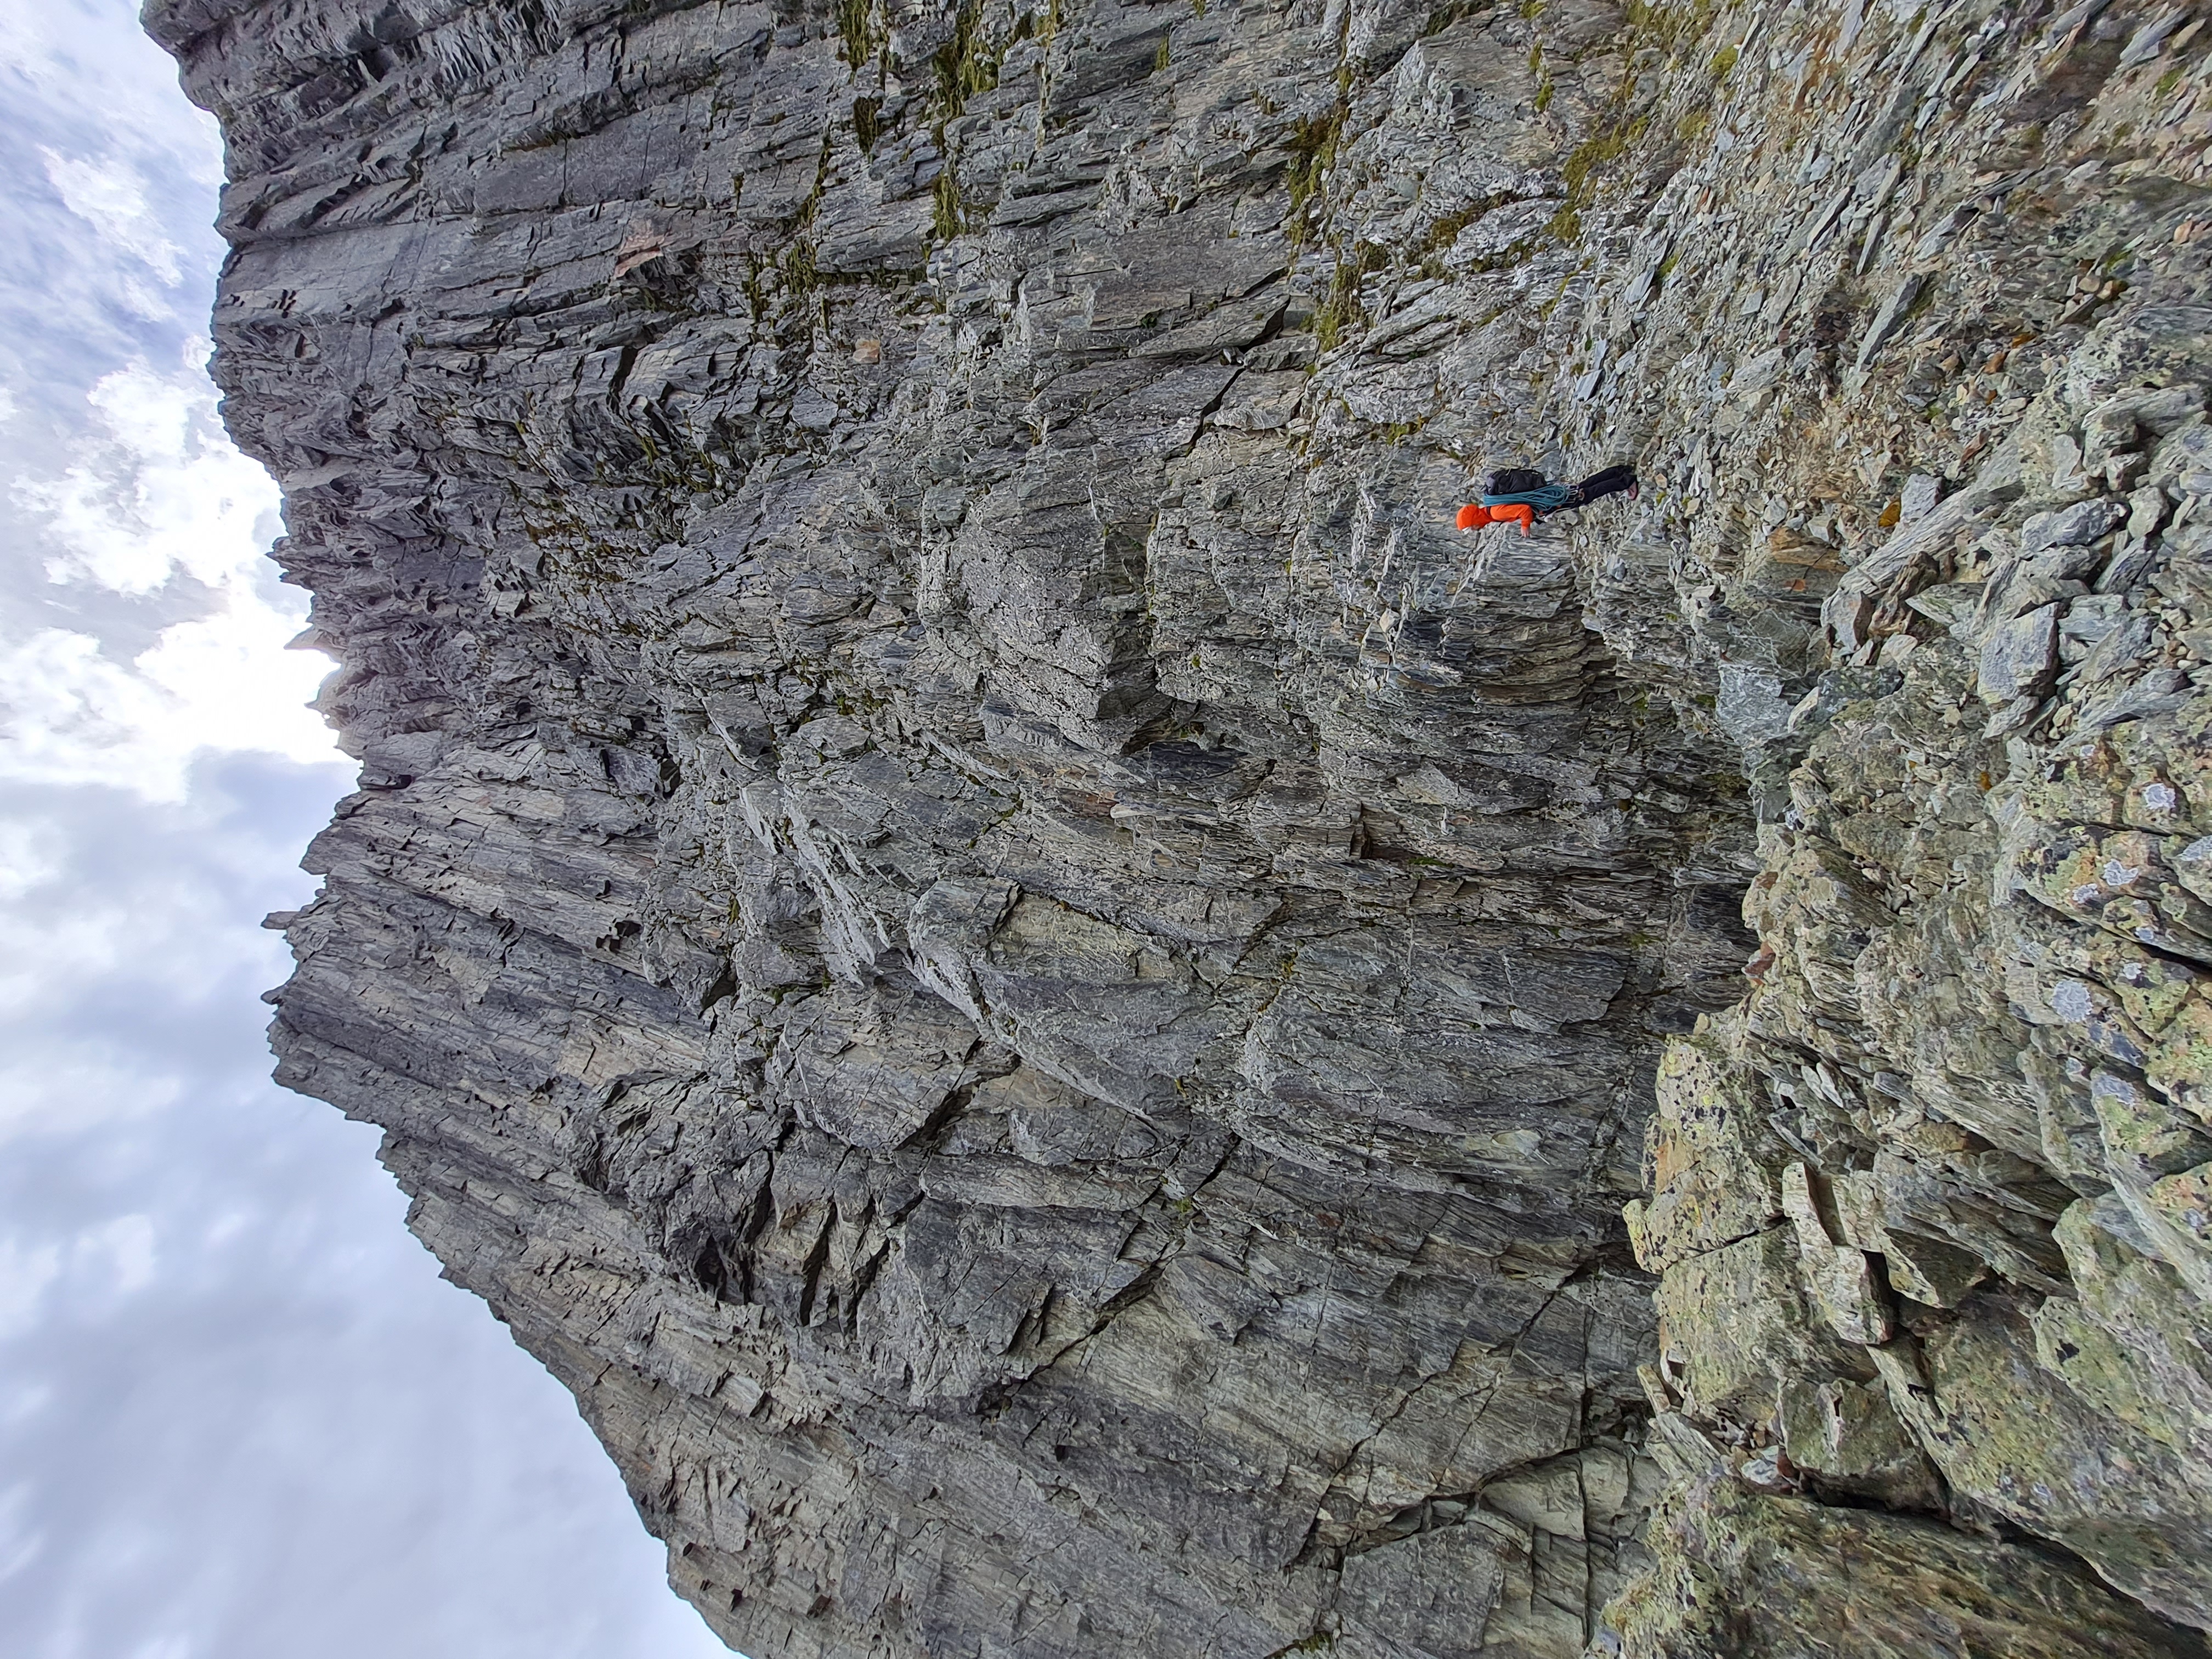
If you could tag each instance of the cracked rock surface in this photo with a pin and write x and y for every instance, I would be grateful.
(973, 918)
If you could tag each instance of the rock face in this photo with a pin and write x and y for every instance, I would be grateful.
(974, 920)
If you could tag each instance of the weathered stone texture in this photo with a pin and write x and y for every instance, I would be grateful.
(1044, 991)
(1927, 1208)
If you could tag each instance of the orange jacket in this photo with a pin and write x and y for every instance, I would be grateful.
(1475, 517)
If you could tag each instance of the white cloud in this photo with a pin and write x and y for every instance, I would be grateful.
(163, 495)
(152, 417)
(74, 59)
(69, 714)
(30, 857)
(25, 1275)
(109, 196)
(118, 1255)
(97, 910)
(243, 689)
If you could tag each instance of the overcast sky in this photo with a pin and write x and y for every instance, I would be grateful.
(241, 1416)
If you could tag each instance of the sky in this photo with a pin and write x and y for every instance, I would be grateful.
(240, 1415)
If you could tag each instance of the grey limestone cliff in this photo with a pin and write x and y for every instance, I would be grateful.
(971, 915)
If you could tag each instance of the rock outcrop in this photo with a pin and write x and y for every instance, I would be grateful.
(1044, 992)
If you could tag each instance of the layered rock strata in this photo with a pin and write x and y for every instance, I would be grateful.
(974, 921)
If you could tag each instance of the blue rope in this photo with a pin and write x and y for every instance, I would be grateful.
(1549, 499)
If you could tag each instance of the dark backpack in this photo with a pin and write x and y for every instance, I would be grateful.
(1514, 481)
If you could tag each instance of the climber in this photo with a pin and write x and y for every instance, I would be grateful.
(1521, 494)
